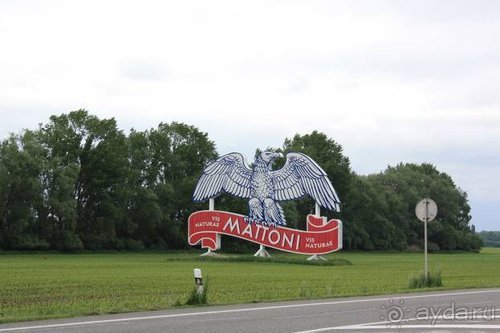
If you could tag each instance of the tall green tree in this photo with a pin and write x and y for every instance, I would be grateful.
(178, 154)
(401, 187)
(329, 155)
(89, 167)
(21, 193)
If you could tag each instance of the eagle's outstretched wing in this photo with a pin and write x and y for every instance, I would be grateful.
(300, 176)
(229, 173)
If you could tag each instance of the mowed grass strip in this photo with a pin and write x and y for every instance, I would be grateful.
(42, 286)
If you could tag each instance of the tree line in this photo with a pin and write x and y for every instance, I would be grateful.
(78, 182)
(490, 238)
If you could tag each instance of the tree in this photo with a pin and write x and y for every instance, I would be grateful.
(178, 153)
(21, 191)
(490, 238)
(79, 182)
(329, 155)
(88, 168)
(401, 187)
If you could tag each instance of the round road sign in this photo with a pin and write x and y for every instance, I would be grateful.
(426, 210)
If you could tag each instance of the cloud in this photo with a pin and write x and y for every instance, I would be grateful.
(143, 71)
(298, 85)
(391, 81)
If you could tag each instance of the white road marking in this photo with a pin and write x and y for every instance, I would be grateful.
(396, 327)
(399, 327)
(217, 319)
(117, 320)
(325, 329)
(321, 314)
(387, 325)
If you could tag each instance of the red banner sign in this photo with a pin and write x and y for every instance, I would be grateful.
(321, 237)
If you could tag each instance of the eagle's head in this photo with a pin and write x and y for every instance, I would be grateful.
(269, 156)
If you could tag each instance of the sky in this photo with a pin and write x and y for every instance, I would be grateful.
(390, 81)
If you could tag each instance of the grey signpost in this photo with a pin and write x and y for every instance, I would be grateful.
(426, 211)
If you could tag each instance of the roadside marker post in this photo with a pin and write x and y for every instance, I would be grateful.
(198, 280)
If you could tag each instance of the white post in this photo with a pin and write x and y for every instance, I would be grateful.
(198, 281)
(210, 253)
(317, 213)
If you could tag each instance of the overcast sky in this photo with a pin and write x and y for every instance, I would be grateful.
(391, 81)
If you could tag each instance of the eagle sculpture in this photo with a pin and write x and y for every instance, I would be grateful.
(300, 176)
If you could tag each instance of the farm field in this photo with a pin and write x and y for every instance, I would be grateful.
(51, 285)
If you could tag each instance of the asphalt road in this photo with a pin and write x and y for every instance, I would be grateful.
(474, 310)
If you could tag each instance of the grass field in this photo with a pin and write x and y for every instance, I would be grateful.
(40, 286)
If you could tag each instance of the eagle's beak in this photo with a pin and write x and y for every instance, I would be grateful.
(278, 155)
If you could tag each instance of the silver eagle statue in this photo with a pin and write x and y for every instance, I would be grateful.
(264, 187)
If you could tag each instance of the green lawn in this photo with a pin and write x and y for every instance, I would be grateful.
(36, 286)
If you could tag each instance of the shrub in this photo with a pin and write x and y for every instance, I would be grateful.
(30, 242)
(196, 298)
(433, 280)
(133, 245)
(69, 242)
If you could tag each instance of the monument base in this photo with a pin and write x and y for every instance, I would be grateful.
(209, 253)
(316, 257)
(262, 252)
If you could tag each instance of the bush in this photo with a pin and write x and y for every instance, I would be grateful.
(196, 298)
(68, 241)
(30, 243)
(419, 281)
(133, 245)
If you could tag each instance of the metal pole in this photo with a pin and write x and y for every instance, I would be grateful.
(317, 210)
(210, 253)
(425, 238)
